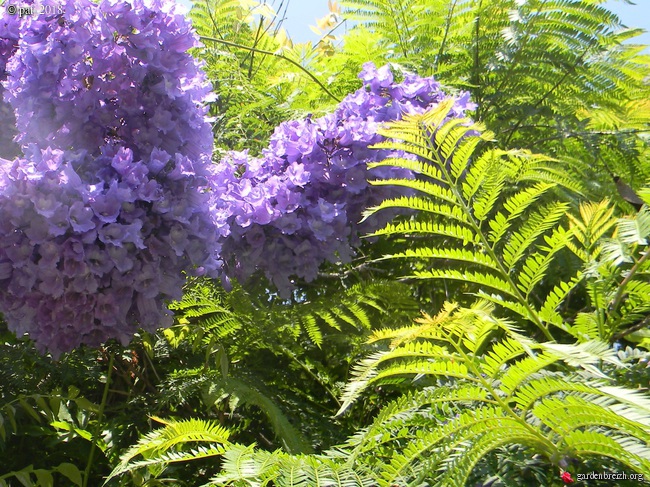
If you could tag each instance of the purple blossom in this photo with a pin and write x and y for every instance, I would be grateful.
(109, 207)
(314, 180)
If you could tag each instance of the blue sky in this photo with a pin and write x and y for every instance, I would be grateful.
(303, 13)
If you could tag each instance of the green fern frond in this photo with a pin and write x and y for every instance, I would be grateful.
(415, 165)
(425, 187)
(516, 375)
(515, 205)
(576, 413)
(461, 255)
(161, 447)
(585, 354)
(207, 314)
(493, 388)
(548, 311)
(448, 445)
(495, 231)
(483, 280)
(249, 466)
(250, 394)
(596, 220)
(635, 231)
(461, 461)
(502, 352)
(244, 463)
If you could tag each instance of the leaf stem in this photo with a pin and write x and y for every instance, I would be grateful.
(476, 227)
(635, 268)
(100, 416)
(500, 401)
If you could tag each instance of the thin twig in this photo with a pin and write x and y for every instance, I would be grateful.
(635, 268)
(278, 55)
(100, 416)
(639, 326)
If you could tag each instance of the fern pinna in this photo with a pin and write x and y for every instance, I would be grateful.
(615, 254)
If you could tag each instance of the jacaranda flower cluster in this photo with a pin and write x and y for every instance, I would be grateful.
(107, 210)
(300, 204)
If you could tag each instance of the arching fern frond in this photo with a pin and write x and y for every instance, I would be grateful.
(481, 209)
(240, 465)
(168, 444)
(263, 468)
(207, 313)
(244, 391)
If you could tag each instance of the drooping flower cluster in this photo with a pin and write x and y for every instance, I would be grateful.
(108, 207)
(301, 203)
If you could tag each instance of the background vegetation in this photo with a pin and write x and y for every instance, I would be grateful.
(498, 335)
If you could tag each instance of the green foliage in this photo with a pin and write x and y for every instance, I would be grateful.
(262, 78)
(551, 399)
(66, 413)
(44, 409)
(616, 271)
(208, 313)
(309, 343)
(40, 477)
(491, 387)
(247, 107)
(492, 222)
(159, 447)
(486, 217)
(536, 266)
(241, 465)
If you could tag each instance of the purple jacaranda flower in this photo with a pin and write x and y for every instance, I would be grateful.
(255, 237)
(49, 254)
(177, 238)
(120, 256)
(81, 217)
(288, 224)
(321, 229)
(297, 174)
(6, 268)
(147, 281)
(107, 205)
(108, 208)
